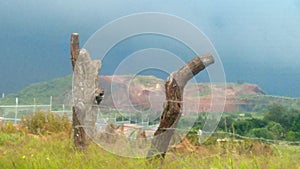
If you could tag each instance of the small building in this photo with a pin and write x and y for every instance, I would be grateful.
(242, 115)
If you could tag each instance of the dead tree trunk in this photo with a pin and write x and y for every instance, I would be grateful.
(79, 134)
(173, 109)
(86, 95)
(74, 48)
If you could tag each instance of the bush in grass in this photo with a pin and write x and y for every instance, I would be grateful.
(46, 123)
(11, 138)
(10, 134)
(8, 128)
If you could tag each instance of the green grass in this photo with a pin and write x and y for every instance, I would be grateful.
(52, 147)
(56, 151)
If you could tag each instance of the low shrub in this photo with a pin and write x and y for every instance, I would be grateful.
(46, 123)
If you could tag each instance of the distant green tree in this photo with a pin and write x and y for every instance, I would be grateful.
(282, 115)
(296, 124)
(276, 129)
(199, 122)
(261, 133)
(226, 123)
(243, 126)
(293, 136)
(275, 113)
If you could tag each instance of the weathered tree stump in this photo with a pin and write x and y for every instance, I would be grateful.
(174, 97)
(86, 95)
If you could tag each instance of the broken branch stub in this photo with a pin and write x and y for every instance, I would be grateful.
(174, 96)
(74, 48)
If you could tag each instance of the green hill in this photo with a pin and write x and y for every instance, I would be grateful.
(58, 88)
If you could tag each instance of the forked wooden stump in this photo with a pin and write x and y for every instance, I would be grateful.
(174, 96)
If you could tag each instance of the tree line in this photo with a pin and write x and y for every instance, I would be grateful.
(278, 123)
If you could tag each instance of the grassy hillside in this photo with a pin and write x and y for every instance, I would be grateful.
(58, 88)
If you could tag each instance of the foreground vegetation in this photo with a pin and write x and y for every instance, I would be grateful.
(43, 141)
(55, 152)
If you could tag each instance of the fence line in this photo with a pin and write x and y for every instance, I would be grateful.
(16, 109)
(142, 123)
(125, 120)
(35, 107)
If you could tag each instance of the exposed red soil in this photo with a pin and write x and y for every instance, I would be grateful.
(125, 92)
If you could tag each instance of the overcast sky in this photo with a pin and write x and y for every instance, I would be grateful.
(258, 41)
